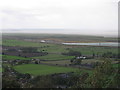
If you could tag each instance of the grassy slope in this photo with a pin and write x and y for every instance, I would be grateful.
(42, 69)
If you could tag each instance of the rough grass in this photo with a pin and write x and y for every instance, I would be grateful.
(37, 69)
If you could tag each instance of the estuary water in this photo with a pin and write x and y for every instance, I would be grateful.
(95, 44)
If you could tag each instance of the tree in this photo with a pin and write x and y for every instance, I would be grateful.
(78, 61)
(93, 55)
(81, 80)
(42, 82)
(104, 76)
(9, 82)
(101, 74)
(36, 62)
(73, 53)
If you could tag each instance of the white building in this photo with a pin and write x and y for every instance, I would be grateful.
(42, 41)
(81, 57)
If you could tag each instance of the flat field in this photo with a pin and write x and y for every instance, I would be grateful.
(12, 42)
(89, 50)
(58, 49)
(8, 57)
(60, 37)
(60, 62)
(35, 69)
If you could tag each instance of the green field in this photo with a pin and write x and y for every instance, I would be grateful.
(54, 50)
(64, 37)
(8, 57)
(47, 57)
(1, 69)
(89, 50)
(34, 69)
(60, 62)
(67, 62)
(116, 65)
(12, 42)
(58, 49)
(54, 57)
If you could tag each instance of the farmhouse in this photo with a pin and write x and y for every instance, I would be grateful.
(42, 41)
(81, 57)
(36, 61)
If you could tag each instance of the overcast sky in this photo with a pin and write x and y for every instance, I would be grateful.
(95, 17)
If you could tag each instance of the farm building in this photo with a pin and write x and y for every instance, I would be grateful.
(81, 57)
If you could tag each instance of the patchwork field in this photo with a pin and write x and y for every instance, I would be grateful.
(54, 50)
(59, 37)
(34, 69)
(58, 49)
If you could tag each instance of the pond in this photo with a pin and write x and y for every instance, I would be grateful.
(95, 44)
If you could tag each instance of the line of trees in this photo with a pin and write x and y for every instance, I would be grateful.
(73, 53)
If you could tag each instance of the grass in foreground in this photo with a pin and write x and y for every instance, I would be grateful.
(35, 69)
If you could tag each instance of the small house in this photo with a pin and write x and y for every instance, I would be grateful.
(81, 57)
